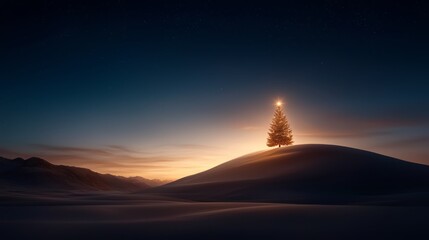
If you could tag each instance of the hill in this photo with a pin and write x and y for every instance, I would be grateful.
(38, 174)
(307, 174)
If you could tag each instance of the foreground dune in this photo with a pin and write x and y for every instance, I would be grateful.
(130, 216)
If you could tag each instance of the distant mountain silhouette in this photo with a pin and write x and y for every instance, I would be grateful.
(38, 174)
(307, 174)
(151, 182)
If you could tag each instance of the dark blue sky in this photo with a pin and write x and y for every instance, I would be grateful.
(191, 84)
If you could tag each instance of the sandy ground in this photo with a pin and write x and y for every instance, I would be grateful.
(338, 193)
(138, 216)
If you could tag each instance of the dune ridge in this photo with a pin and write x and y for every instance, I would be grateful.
(311, 173)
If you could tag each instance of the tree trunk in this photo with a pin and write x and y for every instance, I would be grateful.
(279, 145)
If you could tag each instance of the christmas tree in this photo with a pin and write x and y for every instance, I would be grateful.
(279, 133)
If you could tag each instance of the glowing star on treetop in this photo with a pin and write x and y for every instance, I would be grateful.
(279, 103)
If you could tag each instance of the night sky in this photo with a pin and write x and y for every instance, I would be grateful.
(163, 89)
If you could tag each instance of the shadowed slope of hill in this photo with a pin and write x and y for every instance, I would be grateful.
(307, 174)
(38, 174)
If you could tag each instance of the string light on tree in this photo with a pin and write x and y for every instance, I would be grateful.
(279, 133)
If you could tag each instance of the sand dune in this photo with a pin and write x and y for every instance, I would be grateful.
(245, 198)
(103, 215)
(308, 174)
